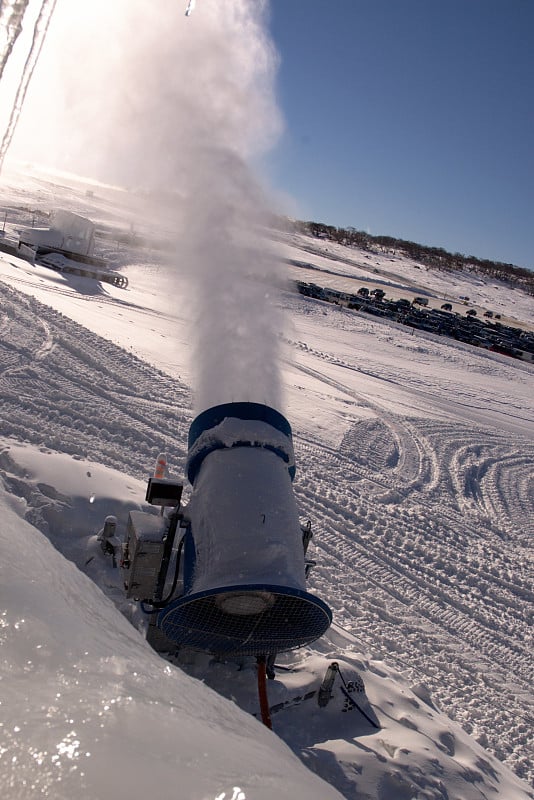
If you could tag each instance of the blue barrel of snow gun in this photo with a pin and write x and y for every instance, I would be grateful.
(244, 581)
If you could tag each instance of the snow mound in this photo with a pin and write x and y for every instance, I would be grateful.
(91, 711)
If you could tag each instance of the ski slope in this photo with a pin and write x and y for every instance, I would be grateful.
(415, 464)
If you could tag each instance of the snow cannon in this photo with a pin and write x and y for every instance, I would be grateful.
(244, 565)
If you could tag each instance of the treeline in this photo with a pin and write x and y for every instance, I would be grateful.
(433, 257)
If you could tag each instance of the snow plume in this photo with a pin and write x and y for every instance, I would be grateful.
(179, 107)
(11, 16)
(236, 323)
(39, 35)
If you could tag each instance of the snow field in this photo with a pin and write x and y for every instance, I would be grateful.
(415, 464)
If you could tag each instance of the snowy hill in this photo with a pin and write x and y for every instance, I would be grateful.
(415, 464)
(89, 710)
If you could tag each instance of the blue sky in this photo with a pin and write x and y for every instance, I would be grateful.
(411, 118)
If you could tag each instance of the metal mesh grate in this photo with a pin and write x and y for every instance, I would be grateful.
(289, 618)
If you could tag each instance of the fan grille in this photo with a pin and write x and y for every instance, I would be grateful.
(289, 618)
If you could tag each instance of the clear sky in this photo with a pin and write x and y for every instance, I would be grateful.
(410, 118)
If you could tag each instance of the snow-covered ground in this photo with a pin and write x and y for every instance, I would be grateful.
(415, 464)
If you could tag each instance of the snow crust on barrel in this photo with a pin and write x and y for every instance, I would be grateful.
(245, 521)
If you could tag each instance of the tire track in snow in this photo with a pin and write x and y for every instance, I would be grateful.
(421, 572)
(418, 589)
(65, 388)
(47, 344)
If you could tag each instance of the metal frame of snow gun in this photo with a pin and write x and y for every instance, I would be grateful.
(241, 467)
(149, 543)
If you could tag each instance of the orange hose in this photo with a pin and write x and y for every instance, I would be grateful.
(262, 693)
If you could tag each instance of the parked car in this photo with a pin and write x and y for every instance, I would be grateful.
(403, 302)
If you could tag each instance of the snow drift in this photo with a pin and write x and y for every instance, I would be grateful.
(89, 710)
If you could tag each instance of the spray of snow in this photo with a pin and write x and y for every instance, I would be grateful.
(11, 17)
(39, 35)
(236, 354)
(179, 108)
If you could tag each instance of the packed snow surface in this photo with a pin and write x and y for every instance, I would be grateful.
(415, 464)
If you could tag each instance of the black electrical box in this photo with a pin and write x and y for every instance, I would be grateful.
(163, 492)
